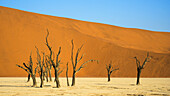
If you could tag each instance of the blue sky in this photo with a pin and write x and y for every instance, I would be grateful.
(144, 14)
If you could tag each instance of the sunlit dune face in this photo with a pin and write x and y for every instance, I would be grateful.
(21, 31)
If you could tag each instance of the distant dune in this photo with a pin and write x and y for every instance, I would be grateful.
(21, 31)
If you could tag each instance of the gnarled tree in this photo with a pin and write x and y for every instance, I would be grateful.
(67, 75)
(55, 65)
(110, 69)
(41, 66)
(29, 69)
(76, 61)
(28, 77)
(140, 67)
(28, 73)
(48, 67)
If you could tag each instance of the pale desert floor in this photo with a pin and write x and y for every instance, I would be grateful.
(14, 86)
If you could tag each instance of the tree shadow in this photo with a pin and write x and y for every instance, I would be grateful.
(135, 95)
(132, 84)
(101, 84)
(44, 86)
(12, 86)
(47, 85)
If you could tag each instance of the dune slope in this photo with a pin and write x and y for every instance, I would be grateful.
(21, 31)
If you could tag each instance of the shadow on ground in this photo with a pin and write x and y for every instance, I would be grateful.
(12, 86)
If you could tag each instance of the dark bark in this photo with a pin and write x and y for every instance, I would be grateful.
(76, 61)
(28, 77)
(73, 78)
(108, 77)
(50, 75)
(110, 70)
(29, 71)
(56, 79)
(138, 76)
(46, 75)
(41, 85)
(34, 81)
(55, 65)
(67, 76)
(41, 77)
(140, 67)
(40, 65)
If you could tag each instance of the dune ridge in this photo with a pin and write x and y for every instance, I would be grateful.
(21, 31)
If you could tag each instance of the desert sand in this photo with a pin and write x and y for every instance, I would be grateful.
(21, 31)
(17, 86)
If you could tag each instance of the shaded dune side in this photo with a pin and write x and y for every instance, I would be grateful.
(21, 31)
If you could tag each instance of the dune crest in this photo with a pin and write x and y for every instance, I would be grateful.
(21, 31)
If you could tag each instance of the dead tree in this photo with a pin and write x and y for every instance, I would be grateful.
(76, 61)
(67, 75)
(46, 69)
(49, 71)
(43, 75)
(110, 70)
(28, 74)
(28, 77)
(29, 70)
(49, 64)
(140, 67)
(56, 68)
(55, 65)
(41, 66)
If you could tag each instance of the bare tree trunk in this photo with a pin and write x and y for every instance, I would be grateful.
(50, 75)
(138, 76)
(46, 75)
(110, 70)
(34, 81)
(56, 79)
(28, 77)
(55, 65)
(140, 67)
(73, 78)
(108, 77)
(41, 77)
(67, 76)
(29, 70)
(76, 61)
(41, 85)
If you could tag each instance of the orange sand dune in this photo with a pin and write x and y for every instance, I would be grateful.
(21, 31)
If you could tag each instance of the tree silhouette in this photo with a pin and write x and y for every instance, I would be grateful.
(29, 69)
(76, 61)
(140, 67)
(67, 75)
(41, 66)
(28, 77)
(110, 69)
(56, 65)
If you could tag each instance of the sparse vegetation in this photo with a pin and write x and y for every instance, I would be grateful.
(76, 61)
(67, 75)
(41, 66)
(48, 67)
(29, 69)
(110, 69)
(28, 77)
(55, 65)
(140, 67)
